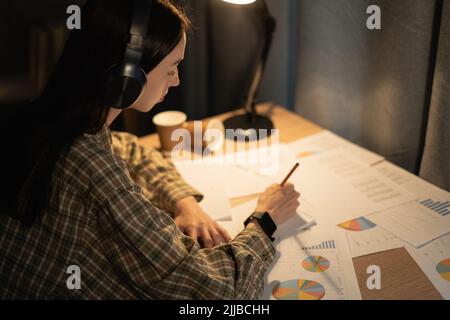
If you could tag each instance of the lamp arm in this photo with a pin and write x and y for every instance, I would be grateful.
(269, 29)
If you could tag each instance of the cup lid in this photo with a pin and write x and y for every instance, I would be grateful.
(169, 118)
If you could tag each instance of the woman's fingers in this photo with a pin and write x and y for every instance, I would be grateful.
(192, 232)
(213, 235)
(289, 187)
(216, 237)
(206, 238)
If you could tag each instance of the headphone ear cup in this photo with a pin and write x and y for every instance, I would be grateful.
(123, 86)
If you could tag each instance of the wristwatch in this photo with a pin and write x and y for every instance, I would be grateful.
(265, 221)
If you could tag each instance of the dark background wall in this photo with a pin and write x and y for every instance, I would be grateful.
(375, 88)
(371, 87)
(32, 35)
(435, 164)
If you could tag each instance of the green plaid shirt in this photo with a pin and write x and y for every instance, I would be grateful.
(109, 216)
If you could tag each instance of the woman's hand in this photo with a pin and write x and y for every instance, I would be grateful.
(194, 222)
(280, 202)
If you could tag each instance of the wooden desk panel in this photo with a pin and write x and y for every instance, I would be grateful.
(401, 277)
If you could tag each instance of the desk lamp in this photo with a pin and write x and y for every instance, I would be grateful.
(251, 121)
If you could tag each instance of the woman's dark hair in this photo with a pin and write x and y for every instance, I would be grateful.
(71, 104)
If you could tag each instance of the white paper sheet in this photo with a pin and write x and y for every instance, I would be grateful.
(240, 182)
(434, 260)
(342, 188)
(210, 181)
(252, 171)
(320, 255)
(269, 161)
(413, 223)
(325, 141)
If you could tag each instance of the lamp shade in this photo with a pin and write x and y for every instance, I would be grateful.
(240, 1)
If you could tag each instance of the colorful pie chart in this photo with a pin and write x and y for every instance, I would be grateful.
(298, 290)
(316, 264)
(359, 224)
(443, 268)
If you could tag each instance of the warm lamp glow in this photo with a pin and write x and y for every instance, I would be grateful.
(240, 1)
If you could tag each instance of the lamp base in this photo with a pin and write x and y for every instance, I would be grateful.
(251, 127)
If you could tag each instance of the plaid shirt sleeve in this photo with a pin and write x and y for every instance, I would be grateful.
(157, 261)
(157, 176)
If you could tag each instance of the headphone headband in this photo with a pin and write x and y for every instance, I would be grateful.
(139, 26)
(126, 81)
(141, 15)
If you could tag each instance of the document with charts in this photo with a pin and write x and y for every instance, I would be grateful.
(312, 265)
(413, 222)
(343, 188)
(421, 189)
(365, 237)
(434, 260)
(420, 221)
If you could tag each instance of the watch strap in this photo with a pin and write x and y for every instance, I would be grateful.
(265, 221)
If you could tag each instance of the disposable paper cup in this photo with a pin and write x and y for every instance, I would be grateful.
(166, 123)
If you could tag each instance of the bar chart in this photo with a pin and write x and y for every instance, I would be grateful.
(440, 207)
(330, 244)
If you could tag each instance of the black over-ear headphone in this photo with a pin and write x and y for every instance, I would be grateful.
(126, 80)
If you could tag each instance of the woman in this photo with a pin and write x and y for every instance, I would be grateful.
(79, 195)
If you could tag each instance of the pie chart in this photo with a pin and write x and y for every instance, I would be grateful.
(443, 268)
(299, 290)
(316, 264)
(359, 224)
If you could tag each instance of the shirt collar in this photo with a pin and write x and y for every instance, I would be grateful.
(102, 137)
